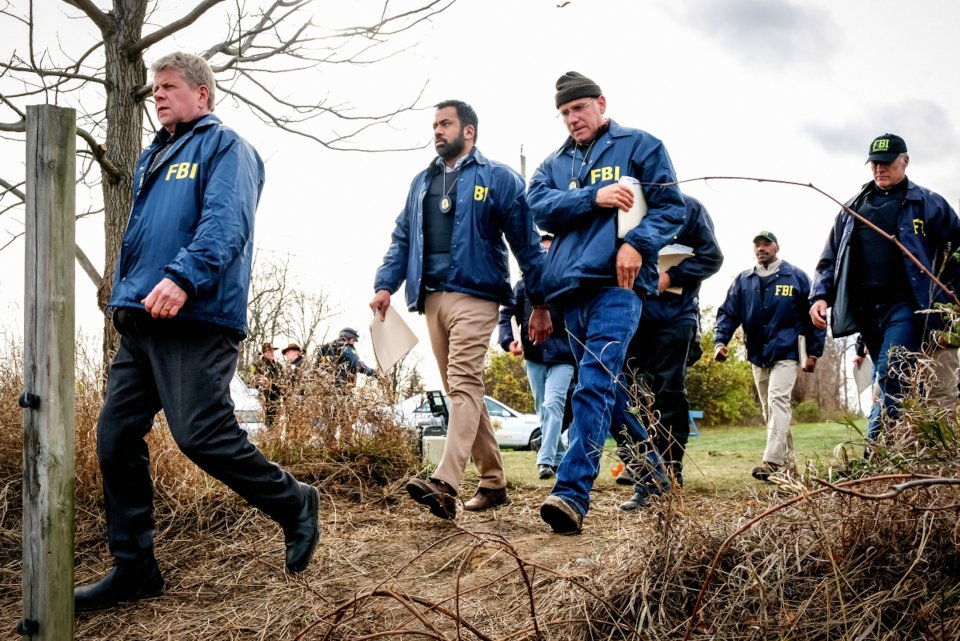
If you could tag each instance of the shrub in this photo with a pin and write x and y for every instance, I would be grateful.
(807, 412)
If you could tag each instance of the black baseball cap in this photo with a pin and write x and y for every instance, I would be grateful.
(886, 148)
(765, 235)
(349, 332)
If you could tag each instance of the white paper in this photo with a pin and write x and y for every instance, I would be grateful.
(671, 256)
(863, 375)
(627, 220)
(802, 349)
(516, 328)
(392, 339)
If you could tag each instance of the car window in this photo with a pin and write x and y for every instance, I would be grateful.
(496, 409)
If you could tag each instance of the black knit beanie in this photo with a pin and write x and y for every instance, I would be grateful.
(573, 85)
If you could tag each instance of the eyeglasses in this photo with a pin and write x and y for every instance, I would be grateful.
(575, 110)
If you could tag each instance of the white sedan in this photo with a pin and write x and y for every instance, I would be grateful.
(512, 428)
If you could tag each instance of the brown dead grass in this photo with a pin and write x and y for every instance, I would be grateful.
(800, 560)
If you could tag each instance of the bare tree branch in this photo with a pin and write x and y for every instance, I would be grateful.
(12, 189)
(87, 266)
(98, 17)
(175, 26)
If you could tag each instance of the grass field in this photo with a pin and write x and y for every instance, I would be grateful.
(718, 461)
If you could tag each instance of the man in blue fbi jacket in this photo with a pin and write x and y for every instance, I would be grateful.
(597, 275)
(179, 303)
(770, 301)
(448, 245)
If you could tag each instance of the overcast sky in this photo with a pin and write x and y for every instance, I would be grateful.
(757, 88)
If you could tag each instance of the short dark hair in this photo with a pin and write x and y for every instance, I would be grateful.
(465, 113)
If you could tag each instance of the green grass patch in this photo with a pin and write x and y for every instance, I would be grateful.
(719, 460)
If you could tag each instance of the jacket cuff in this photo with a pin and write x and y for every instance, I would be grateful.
(181, 282)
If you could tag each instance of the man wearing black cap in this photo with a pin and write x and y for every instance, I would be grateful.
(342, 356)
(597, 270)
(875, 289)
(770, 301)
(448, 245)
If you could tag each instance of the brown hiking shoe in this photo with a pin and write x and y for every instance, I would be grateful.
(561, 516)
(486, 498)
(436, 495)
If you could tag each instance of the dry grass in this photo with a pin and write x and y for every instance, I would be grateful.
(836, 554)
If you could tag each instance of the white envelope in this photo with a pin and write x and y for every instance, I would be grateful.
(392, 339)
(671, 255)
(863, 375)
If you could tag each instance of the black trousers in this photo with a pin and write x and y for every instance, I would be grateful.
(185, 369)
(657, 361)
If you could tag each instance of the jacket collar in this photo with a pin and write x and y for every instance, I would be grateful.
(163, 136)
(473, 156)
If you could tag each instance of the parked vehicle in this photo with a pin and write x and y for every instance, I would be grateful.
(513, 429)
(246, 405)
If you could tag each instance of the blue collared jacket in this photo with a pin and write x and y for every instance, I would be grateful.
(927, 226)
(585, 246)
(192, 222)
(773, 321)
(698, 234)
(490, 206)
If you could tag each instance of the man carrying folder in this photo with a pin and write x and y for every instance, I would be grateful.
(448, 245)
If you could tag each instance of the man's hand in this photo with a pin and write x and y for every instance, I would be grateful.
(165, 300)
(540, 325)
(380, 303)
(818, 314)
(516, 348)
(721, 353)
(629, 261)
(616, 195)
(857, 361)
(664, 283)
(810, 364)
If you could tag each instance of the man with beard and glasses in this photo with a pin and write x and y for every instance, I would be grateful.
(448, 245)
(770, 301)
(598, 271)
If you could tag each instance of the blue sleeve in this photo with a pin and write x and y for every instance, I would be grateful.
(393, 270)
(823, 277)
(225, 224)
(698, 233)
(729, 315)
(556, 208)
(520, 232)
(507, 312)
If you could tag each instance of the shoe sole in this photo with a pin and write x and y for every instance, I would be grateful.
(558, 520)
(424, 496)
(313, 498)
(80, 609)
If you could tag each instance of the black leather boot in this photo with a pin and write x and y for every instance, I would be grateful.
(128, 580)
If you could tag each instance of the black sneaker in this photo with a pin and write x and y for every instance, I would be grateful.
(546, 471)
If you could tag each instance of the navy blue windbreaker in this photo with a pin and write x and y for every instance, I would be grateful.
(585, 246)
(771, 322)
(698, 234)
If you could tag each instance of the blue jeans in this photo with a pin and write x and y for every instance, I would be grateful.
(549, 385)
(888, 327)
(600, 325)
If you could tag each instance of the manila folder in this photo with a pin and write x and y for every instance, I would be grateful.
(392, 339)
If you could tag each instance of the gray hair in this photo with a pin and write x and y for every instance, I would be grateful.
(194, 69)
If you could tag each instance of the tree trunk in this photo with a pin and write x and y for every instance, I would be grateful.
(125, 75)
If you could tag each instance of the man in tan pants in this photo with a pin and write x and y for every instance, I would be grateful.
(770, 301)
(448, 245)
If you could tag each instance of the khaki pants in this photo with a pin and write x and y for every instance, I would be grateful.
(942, 389)
(460, 327)
(774, 386)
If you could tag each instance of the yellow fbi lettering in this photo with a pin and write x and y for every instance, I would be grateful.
(603, 174)
(181, 170)
(783, 290)
(918, 226)
(480, 193)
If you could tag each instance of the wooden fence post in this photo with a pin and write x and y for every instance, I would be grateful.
(48, 377)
